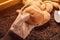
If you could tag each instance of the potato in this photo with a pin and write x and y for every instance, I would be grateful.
(37, 17)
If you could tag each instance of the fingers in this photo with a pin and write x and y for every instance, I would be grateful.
(49, 7)
(46, 17)
(56, 5)
(18, 11)
(43, 6)
(31, 9)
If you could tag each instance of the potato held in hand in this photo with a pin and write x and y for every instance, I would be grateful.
(37, 17)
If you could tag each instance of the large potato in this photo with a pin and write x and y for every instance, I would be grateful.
(37, 17)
